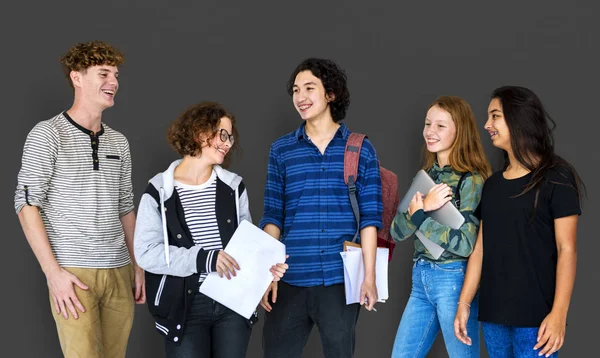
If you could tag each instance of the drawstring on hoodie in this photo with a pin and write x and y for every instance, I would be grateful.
(164, 224)
(237, 204)
(166, 181)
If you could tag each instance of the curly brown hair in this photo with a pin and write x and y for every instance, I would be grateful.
(201, 118)
(82, 56)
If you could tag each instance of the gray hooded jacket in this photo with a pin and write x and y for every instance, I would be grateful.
(164, 247)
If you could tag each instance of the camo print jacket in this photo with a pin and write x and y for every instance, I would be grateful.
(457, 243)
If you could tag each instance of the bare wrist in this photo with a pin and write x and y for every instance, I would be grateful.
(425, 207)
(560, 311)
(51, 270)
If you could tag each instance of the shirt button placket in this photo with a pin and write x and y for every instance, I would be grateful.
(322, 209)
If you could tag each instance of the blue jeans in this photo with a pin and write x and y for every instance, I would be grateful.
(432, 306)
(504, 341)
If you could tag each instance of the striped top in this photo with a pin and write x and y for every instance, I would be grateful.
(458, 244)
(198, 202)
(81, 181)
(306, 197)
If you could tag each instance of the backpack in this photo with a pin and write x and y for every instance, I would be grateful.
(457, 190)
(389, 192)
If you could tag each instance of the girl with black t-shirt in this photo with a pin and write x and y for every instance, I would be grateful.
(525, 254)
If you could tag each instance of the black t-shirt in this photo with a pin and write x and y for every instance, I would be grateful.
(519, 255)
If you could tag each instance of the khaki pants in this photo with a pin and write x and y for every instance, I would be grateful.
(102, 331)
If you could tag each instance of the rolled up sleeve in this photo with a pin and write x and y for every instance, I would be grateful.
(274, 193)
(369, 188)
(37, 166)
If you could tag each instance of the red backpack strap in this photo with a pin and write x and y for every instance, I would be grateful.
(351, 158)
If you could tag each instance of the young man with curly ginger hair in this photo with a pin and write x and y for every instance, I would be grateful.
(74, 199)
(307, 206)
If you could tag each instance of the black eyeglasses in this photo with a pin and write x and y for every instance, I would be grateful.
(224, 135)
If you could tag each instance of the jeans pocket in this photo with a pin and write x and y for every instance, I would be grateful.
(453, 267)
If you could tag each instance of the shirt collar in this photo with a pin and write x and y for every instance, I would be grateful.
(447, 168)
(342, 131)
(83, 129)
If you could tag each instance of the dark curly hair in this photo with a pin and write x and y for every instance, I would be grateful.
(85, 55)
(334, 80)
(201, 118)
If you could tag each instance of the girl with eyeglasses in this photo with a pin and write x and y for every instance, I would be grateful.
(186, 217)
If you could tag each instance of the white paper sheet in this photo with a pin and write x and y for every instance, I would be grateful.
(354, 273)
(255, 251)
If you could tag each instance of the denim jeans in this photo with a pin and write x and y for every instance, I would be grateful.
(211, 330)
(504, 341)
(298, 309)
(432, 306)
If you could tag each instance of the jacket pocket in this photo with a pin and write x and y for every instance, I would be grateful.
(156, 286)
(159, 291)
(164, 294)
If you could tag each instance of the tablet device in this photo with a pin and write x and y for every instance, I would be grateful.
(447, 215)
(434, 249)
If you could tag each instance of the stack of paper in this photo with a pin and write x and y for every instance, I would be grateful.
(354, 273)
(255, 251)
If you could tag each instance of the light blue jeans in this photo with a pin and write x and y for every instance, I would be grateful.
(431, 307)
(503, 341)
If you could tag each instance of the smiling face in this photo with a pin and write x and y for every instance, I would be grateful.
(96, 86)
(310, 99)
(439, 132)
(215, 150)
(496, 126)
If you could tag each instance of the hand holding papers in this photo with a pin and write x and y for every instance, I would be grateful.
(255, 251)
(354, 273)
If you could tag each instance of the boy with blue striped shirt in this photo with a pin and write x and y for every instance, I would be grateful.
(307, 207)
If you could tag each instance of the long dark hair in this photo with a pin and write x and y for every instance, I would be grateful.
(531, 138)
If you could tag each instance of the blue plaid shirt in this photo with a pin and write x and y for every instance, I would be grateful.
(306, 197)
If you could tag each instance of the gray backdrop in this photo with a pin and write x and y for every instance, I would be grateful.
(398, 55)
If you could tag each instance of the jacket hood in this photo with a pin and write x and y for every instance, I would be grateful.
(164, 184)
(165, 179)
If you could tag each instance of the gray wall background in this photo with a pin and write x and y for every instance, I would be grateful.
(399, 56)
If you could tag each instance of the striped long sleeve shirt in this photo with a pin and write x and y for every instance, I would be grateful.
(306, 197)
(81, 183)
